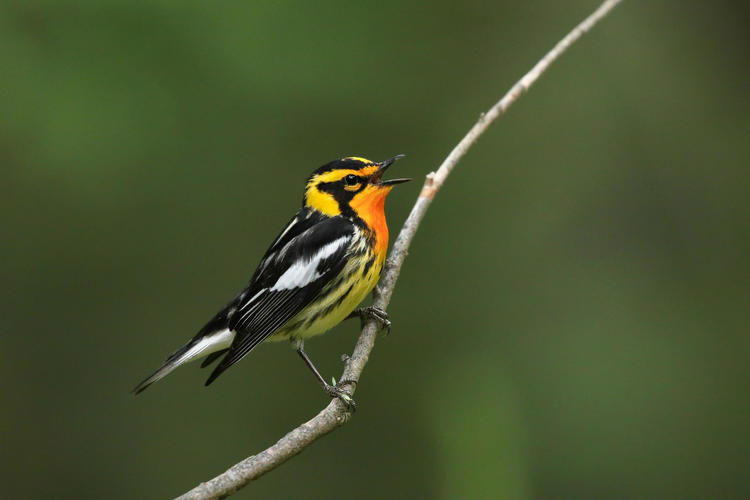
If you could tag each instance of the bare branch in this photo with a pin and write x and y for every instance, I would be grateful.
(336, 413)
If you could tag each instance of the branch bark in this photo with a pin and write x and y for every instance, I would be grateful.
(336, 413)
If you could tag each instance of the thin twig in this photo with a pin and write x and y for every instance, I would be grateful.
(336, 413)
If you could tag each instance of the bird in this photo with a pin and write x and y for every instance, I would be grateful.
(316, 272)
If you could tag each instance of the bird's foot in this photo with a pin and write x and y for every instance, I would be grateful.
(337, 391)
(372, 312)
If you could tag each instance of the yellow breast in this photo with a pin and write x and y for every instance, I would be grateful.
(340, 297)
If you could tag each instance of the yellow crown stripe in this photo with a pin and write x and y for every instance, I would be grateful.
(358, 158)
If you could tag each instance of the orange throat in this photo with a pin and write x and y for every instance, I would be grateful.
(370, 207)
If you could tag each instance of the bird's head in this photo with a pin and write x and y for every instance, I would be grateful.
(352, 187)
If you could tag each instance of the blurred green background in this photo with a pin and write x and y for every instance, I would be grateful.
(571, 321)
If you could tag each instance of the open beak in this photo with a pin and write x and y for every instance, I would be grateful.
(383, 166)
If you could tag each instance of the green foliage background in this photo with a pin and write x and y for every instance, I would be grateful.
(571, 321)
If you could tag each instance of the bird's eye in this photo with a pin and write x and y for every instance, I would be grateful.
(351, 180)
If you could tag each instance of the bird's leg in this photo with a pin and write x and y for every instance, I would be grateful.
(333, 390)
(372, 312)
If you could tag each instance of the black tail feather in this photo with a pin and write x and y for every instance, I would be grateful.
(213, 357)
(218, 322)
(164, 367)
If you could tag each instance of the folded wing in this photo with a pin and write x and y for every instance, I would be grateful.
(302, 260)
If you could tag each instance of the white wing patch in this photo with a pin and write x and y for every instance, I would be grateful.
(305, 271)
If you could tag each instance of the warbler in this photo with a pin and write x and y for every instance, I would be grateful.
(313, 276)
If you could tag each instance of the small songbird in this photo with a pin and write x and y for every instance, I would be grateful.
(312, 277)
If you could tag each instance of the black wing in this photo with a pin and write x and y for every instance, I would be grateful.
(309, 253)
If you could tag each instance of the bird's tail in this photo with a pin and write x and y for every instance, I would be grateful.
(197, 348)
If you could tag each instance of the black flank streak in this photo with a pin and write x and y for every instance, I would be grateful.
(338, 302)
(368, 265)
